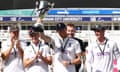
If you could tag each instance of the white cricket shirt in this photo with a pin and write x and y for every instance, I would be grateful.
(99, 57)
(40, 66)
(72, 48)
(14, 63)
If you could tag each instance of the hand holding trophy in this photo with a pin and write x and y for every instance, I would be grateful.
(42, 7)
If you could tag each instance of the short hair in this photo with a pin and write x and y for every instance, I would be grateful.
(33, 30)
(60, 26)
(13, 28)
(71, 25)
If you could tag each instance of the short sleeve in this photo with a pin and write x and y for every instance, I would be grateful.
(77, 47)
(46, 51)
(56, 41)
(23, 44)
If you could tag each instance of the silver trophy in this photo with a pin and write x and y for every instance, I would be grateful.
(42, 7)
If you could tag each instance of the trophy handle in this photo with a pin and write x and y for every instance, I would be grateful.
(43, 7)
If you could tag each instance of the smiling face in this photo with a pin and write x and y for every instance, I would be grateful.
(70, 31)
(34, 37)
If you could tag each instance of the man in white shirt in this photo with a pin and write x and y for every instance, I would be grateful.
(100, 53)
(71, 33)
(66, 50)
(12, 51)
(37, 55)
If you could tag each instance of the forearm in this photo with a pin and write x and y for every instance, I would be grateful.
(6, 54)
(28, 62)
(76, 60)
(47, 60)
(21, 52)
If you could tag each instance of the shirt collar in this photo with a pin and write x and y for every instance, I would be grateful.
(34, 44)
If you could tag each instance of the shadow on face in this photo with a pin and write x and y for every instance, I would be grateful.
(34, 37)
(62, 33)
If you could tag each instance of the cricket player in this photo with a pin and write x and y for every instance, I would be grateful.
(12, 51)
(71, 33)
(100, 53)
(47, 39)
(37, 55)
(66, 50)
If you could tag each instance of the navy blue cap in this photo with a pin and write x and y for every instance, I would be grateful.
(35, 29)
(32, 30)
(99, 28)
(60, 26)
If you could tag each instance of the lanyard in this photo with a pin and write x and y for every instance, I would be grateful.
(15, 52)
(63, 46)
(102, 51)
(36, 51)
(34, 48)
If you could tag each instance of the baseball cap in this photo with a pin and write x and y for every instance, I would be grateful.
(60, 26)
(13, 28)
(99, 28)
